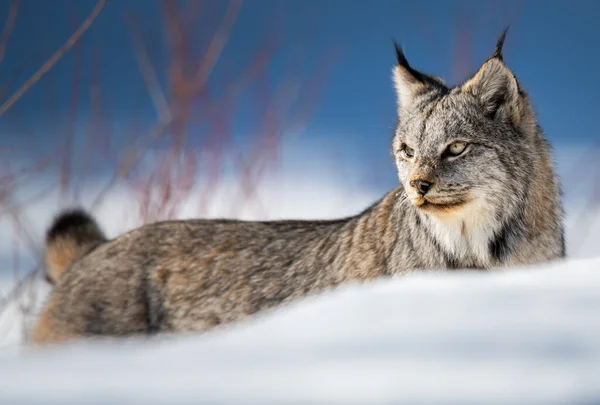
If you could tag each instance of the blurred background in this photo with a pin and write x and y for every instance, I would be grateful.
(141, 110)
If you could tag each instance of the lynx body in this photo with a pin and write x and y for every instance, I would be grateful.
(479, 190)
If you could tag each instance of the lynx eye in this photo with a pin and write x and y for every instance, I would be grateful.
(455, 149)
(407, 151)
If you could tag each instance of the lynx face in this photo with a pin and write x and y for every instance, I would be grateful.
(444, 155)
(460, 149)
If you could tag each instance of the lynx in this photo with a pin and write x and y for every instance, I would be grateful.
(478, 190)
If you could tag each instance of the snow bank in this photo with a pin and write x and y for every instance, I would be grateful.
(529, 335)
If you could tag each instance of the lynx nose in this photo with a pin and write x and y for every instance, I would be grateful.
(421, 186)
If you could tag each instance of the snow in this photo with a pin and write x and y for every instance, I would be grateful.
(528, 335)
(525, 335)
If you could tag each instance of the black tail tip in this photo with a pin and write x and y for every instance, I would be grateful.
(70, 220)
(71, 236)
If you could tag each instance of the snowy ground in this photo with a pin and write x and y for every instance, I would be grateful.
(529, 335)
(526, 336)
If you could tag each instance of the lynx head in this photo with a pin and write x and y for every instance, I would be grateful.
(460, 148)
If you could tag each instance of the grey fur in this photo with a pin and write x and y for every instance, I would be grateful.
(500, 207)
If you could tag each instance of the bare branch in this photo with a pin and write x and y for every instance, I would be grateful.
(20, 286)
(130, 160)
(218, 42)
(55, 58)
(8, 27)
(150, 77)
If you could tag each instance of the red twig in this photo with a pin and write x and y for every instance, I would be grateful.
(54, 58)
(8, 27)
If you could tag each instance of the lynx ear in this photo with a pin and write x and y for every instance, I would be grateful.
(409, 82)
(496, 86)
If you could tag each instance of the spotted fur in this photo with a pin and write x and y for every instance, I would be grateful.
(498, 204)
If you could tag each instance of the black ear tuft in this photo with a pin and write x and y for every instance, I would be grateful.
(499, 45)
(413, 75)
(410, 82)
(401, 57)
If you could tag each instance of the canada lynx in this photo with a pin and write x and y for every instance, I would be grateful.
(479, 190)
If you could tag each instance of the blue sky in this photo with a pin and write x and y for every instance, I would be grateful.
(552, 47)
